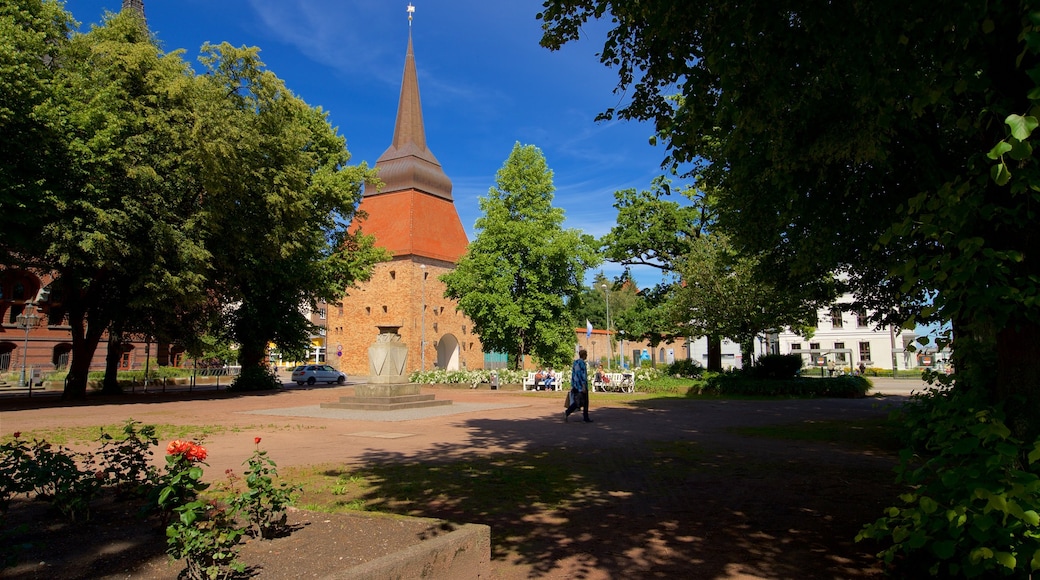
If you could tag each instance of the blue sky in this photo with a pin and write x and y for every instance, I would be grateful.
(484, 81)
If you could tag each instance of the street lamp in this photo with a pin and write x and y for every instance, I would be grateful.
(422, 331)
(26, 321)
(606, 299)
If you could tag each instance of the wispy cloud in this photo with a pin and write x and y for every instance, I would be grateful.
(340, 35)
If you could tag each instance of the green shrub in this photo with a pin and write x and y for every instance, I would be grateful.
(126, 460)
(973, 491)
(65, 478)
(255, 379)
(777, 366)
(737, 383)
(686, 368)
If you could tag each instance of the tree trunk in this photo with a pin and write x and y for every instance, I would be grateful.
(747, 353)
(252, 355)
(110, 386)
(85, 339)
(1018, 378)
(715, 353)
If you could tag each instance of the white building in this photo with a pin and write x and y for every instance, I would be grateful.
(845, 338)
(731, 355)
(842, 337)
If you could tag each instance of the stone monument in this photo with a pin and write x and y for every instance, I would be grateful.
(388, 388)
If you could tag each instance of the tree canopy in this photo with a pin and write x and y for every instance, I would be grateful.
(158, 198)
(858, 150)
(518, 275)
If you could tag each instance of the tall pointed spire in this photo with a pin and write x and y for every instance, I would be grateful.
(408, 163)
(137, 5)
(413, 214)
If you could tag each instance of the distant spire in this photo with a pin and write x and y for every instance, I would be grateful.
(408, 163)
(411, 10)
(137, 5)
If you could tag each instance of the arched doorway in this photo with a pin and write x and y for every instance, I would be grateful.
(6, 348)
(448, 353)
(60, 357)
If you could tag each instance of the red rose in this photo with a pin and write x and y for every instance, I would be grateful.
(17, 434)
(256, 440)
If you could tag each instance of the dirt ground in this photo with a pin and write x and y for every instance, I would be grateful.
(676, 493)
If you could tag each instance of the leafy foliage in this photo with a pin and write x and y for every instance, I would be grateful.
(867, 153)
(970, 509)
(738, 383)
(518, 274)
(264, 503)
(167, 203)
(65, 478)
(777, 366)
(686, 368)
(127, 460)
(722, 296)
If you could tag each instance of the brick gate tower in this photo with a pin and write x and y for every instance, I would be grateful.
(413, 216)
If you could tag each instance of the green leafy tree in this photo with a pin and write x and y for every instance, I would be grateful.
(279, 196)
(859, 151)
(721, 296)
(517, 276)
(32, 34)
(114, 224)
(655, 230)
(647, 318)
(652, 228)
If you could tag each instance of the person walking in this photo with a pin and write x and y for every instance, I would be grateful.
(579, 388)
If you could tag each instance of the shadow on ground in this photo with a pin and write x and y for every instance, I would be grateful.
(689, 499)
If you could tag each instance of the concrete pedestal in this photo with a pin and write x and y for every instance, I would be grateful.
(388, 388)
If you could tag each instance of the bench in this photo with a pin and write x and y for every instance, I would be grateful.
(531, 385)
(616, 382)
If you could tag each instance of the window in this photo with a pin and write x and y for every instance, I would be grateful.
(839, 356)
(321, 313)
(836, 318)
(796, 346)
(814, 346)
(861, 319)
(864, 351)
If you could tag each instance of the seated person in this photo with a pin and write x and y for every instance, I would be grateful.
(539, 377)
(550, 379)
(601, 377)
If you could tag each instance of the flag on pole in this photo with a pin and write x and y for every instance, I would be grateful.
(588, 328)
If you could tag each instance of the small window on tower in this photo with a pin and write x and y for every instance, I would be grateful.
(384, 309)
(393, 274)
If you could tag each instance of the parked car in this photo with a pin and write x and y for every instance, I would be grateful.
(311, 374)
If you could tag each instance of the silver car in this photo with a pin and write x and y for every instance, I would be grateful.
(311, 374)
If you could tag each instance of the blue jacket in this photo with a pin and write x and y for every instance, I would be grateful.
(580, 376)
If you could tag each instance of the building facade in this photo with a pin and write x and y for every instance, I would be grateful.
(846, 338)
(36, 339)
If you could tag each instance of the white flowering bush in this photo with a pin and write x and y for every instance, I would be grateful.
(647, 373)
(436, 376)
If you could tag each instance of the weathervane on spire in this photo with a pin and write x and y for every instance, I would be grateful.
(411, 10)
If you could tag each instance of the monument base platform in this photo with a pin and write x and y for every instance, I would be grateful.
(386, 398)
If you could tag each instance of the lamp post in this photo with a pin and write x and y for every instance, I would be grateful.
(27, 320)
(621, 350)
(422, 331)
(606, 300)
